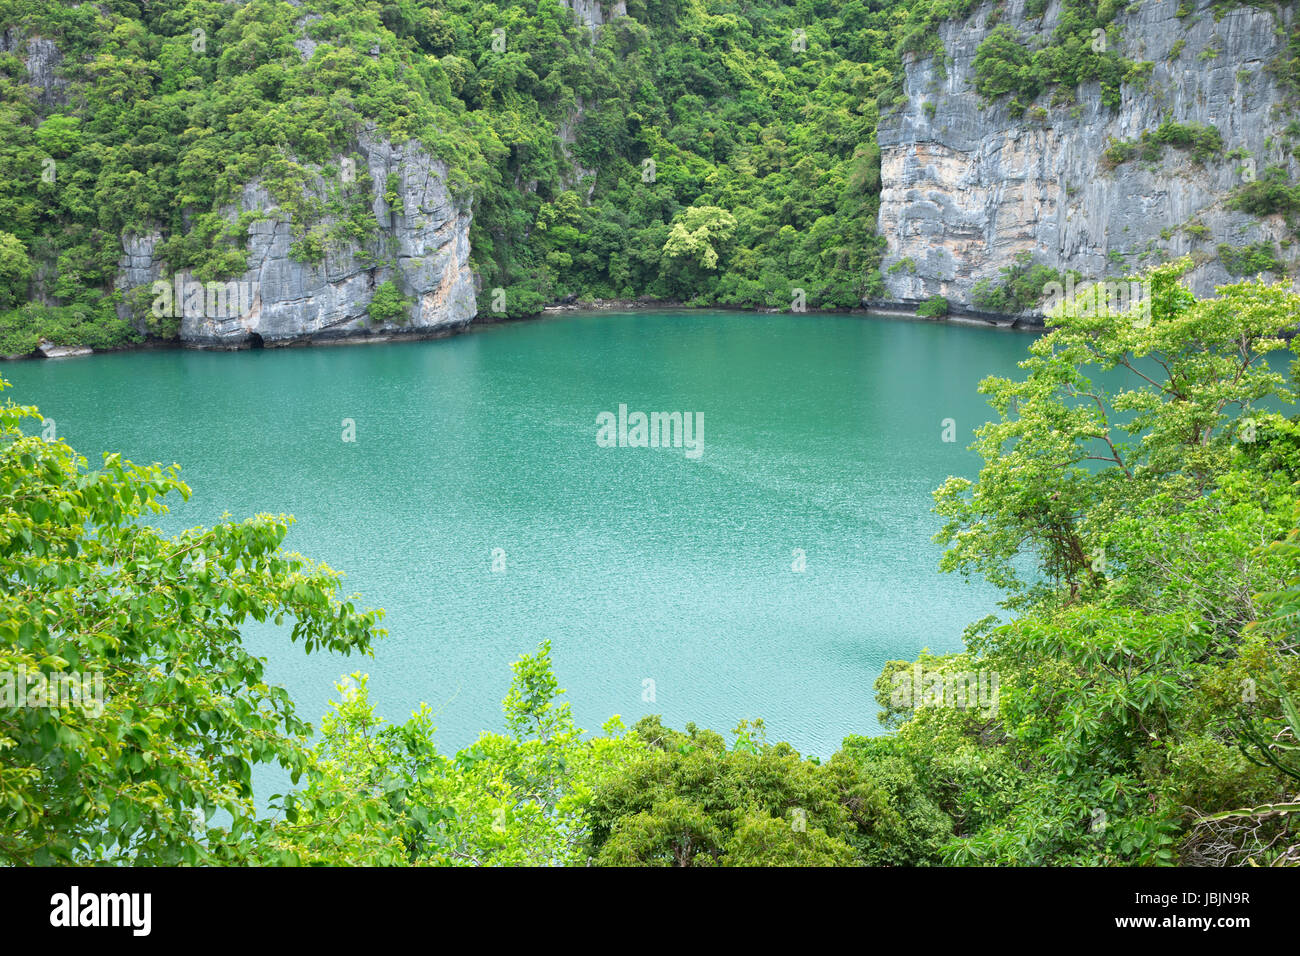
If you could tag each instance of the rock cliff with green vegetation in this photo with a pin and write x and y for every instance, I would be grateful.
(1093, 138)
(463, 155)
(337, 168)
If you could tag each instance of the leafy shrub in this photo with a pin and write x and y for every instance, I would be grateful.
(1003, 65)
(1250, 260)
(1020, 288)
(97, 327)
(1268, 195)
(387, 304)
(935, 307)
(1201, 140)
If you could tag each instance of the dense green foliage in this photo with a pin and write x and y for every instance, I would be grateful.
(139, 771)
(583, 154)
(754, 123)
(1145, 511)
(1138, 506)
(1077, 51)
(712, 153)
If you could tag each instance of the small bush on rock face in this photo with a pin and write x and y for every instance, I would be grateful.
(1268, 195)
(1201, 140)
(935, 307)
(388, 305)
(1250, 260)
(1002, 65)
(1020, 288)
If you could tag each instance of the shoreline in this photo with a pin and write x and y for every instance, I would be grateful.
(887, 310)
(891, 310)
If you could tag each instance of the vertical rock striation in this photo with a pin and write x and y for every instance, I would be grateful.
(966, 186)
(42, 61)
(595, 13)
(421, 245)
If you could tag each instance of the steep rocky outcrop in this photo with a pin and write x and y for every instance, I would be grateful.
(966, 185)
(42, 60)
(421, 245)
(595, 13)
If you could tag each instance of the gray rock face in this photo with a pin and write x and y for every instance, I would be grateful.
(304, 44)
(42, 60)
(573, 172)
(51, 351)
(965, 186)
(594, 13)
(422, 245)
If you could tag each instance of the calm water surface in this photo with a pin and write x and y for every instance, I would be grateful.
(822, 433)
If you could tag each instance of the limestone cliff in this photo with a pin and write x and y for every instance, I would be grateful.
(420, 244)
(966, 185)
(42, 60)
(595, 13)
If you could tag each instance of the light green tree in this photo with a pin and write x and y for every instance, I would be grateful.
(381, 793)
(698, 235)
(15, 270)
(158, 768)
